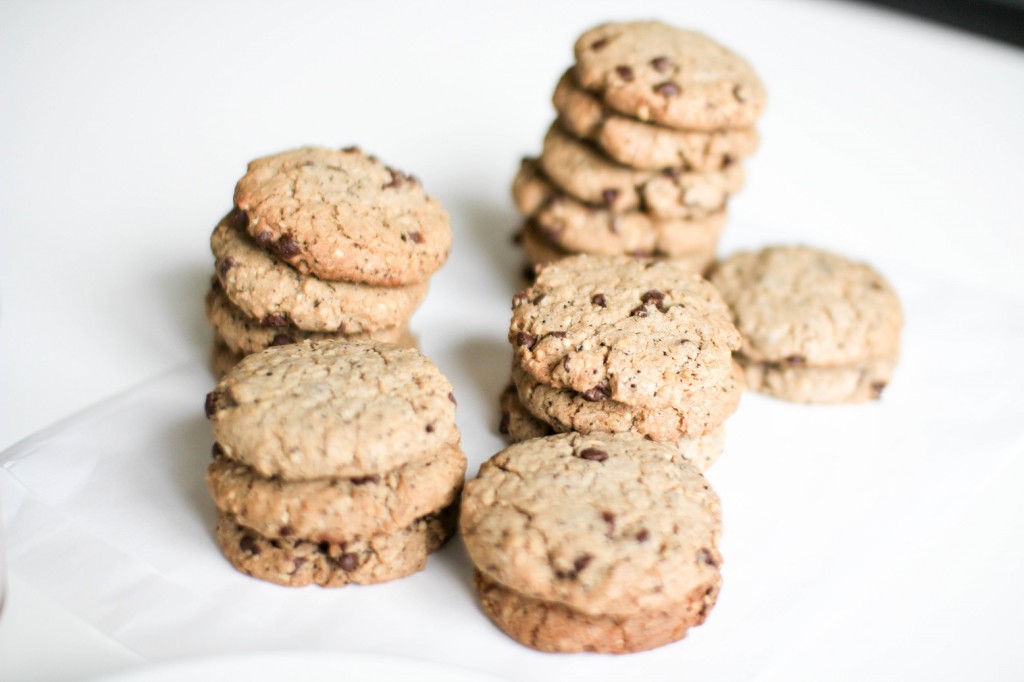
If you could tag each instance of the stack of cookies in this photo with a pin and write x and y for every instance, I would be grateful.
(613, 344)
(322, 244)
(653, 124)
(335, 462)
(592, 543)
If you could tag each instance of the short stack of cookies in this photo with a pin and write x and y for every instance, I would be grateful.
(614, 344)
(653, 124)
(335, 462)
(322, 243)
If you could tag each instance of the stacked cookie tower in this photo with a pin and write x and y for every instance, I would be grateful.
(322, 244)
(335, 462)
(613, 344)
(653, 123)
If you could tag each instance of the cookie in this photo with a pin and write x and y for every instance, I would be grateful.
(264, 288)
(803, 312)
(574, 226)
(636, 331)
(332, 409)
(297, 562)
(693, 415)
(655, 72)
(581, 170)
(643, 145)
(519, 424)
(604, 526)
(223, 358)
(336, 509)
(344, 215)
(242, 334)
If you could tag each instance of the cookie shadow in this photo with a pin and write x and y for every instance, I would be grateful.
(493, 227)
(189, 451)
(184, 290)
(486, 361)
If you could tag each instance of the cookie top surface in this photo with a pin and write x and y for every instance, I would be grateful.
(332, 408)
(806, 306)
(605, 524)
(344, 215)
(269, 290)
(678, 78)
(636, 331)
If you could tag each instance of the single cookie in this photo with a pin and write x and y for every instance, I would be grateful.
(643, 145)
(222, 358)
(243, 334)
(580, 169)
(602, 525)
(266, 289)
(519, 424)
(656, 72)
(336, 509)
(641, 332)
(333, 409)
(803, 384)
(377, 559)
(575, 226)
(693, 415)
(553, 627)
(344, 215)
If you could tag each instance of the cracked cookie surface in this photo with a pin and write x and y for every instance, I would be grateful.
(677, 78)
(267, 289)
(344, 215)
(640, 332)
(332, 409)
(604, 524)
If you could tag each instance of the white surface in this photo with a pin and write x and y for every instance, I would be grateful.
(123, 127)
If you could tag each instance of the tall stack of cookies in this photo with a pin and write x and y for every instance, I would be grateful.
(653, 124)
(321, 244)
(335, 462)
(613, 344)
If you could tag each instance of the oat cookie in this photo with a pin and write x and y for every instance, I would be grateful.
(269, 290)
(603, 525)
(344, 215)
(656, 72)
(583, 171)
(643, 145)
(332, 409)
(575, 226)
(636, 331)
(336, 509)
(297, 562)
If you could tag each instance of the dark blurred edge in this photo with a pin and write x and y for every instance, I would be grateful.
(999, 19)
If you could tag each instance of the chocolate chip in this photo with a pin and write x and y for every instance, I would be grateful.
(609, 519)
(582, 562)
(414, 237)
(525, 339)
(796, 361)
(429, 428)
(877, 388)
(653, 296)
(537, 299)
(281, 340)
(226, 265)
(707, 557)
(286, 531)
(216, 451)
(598, 44)
(661, 64)
(396, 179)
(348, 562)
(667, 89)
(639, 311)
(238, 218)
(609, 196)
(519, 299)
(211, 404)
(275, 320)
(529, 273)
(625, 73)
(248, 545)
(265, 238)
(643, 535)
(451, 397)
(350, 149)
(594, 455)
(599, 299)
(557, 335)
(363, 480)
(288, 247)
(596, 394)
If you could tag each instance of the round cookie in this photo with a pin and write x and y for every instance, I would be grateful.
(298, 562)
(643, 145)
(602, 525)
(332, 409)
(336, 509)
(656, 72)
(692, 416)
(266, 289)
(242, 334)
(577, 227)
(344, 215)
(581, 170)
(641, 332)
